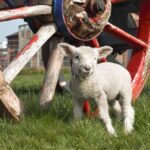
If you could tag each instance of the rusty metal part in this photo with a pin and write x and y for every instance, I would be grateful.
(74, 21)
(83, 26)
(94, 7)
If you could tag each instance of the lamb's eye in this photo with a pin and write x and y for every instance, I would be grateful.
(77, 57)
(95, 58)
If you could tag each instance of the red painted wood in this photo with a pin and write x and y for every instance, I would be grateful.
(36, 42)
(94, 43)
(131, 40)
(31, 42)
(86, 108)
(117, 1)
(138, 62)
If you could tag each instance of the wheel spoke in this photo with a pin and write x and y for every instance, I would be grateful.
(23, 57)
(24, 12)
(53, 69)
(131, 40)
(94, 43)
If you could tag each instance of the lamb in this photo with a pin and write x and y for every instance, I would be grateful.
(105, 82)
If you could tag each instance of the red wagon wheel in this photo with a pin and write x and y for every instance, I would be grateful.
(139, 63)
(83, 23)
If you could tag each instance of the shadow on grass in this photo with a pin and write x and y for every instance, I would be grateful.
(60, 107)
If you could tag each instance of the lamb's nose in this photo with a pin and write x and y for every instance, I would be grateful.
(87, 68)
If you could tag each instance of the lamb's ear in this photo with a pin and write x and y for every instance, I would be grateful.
(66, 49)
(104, 51)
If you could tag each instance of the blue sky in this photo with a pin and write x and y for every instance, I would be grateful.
(9, 27)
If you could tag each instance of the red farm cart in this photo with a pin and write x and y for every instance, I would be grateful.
(89, 22)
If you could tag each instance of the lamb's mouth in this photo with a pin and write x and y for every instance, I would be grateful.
(86, 73)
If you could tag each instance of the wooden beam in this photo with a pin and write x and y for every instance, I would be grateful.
(23, 57)
(51, 77)
(8, 98)
(24, 12)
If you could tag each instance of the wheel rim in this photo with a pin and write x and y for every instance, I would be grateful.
(140, 60)
(139, 64)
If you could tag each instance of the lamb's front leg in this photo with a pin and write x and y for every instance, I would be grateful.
(104, 112)
(77, 108)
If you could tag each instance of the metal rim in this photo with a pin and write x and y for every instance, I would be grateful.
(58, 11)
(59, 18)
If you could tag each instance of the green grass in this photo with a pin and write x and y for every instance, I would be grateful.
(55, 128)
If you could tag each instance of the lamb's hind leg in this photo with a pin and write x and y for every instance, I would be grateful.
(104, 113)
(128, 112)
(117, 107)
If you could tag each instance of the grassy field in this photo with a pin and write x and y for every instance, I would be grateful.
(55, 128)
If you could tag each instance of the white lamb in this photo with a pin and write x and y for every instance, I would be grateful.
(104, 82)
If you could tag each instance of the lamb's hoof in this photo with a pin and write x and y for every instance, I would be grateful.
(128, 128)
(113, 134)
(111, 131)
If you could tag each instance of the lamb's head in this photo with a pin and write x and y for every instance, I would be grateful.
(84, 58)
